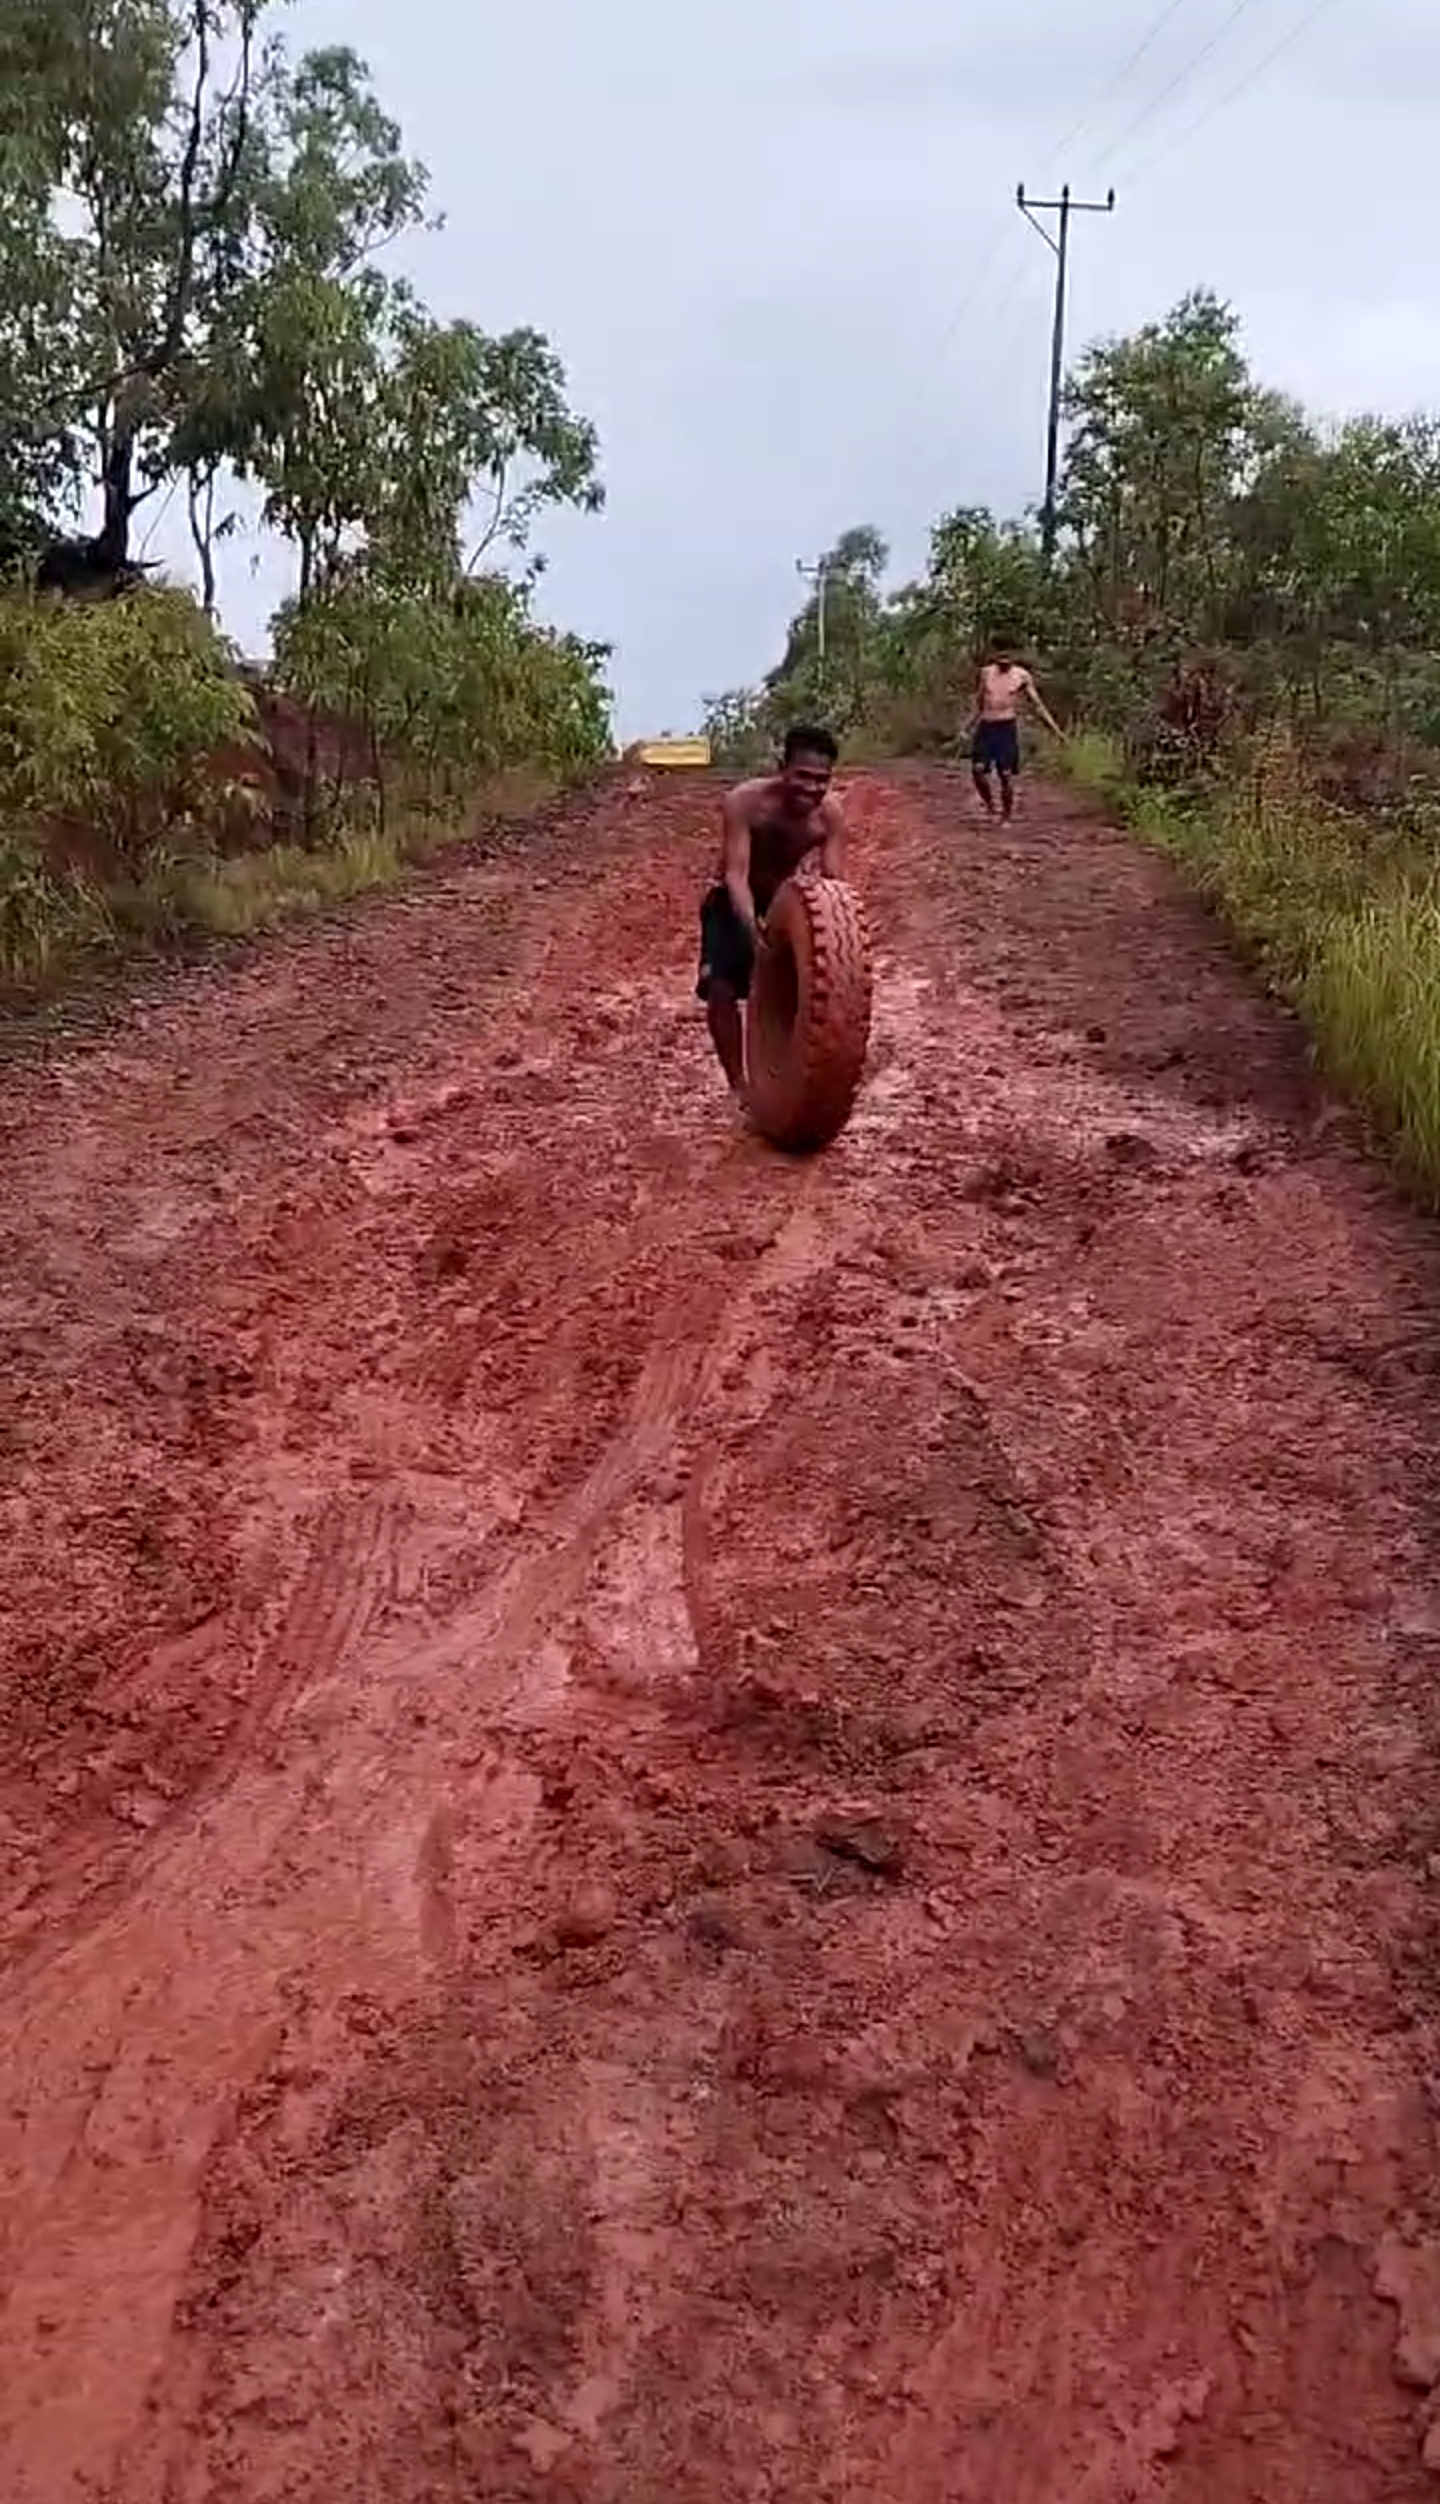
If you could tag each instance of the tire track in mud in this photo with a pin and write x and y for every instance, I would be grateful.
(136, 1166)
(618, 2330)
(340, 1594)
(822, 1925)
(357, 1550)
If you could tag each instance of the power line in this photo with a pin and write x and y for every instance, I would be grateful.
(1218, 104)
(982, 270)
(1187, 69)
(1132, 62)
(159, 515)
(984, 265)
(1065, 206)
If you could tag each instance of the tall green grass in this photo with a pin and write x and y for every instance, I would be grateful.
(1342, 920)
(1372, 996)
(50, 919)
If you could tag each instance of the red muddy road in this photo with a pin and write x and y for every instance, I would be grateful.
(678, 1830)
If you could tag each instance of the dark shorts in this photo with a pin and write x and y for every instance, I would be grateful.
(726, 955)
(997, 745)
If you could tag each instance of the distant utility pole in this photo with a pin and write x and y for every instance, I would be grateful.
(819, 575)
(1059, 244)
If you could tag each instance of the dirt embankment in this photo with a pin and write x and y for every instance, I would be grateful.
(677, 1827)
(302, 756)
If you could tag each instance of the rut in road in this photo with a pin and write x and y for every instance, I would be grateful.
(676, 1826)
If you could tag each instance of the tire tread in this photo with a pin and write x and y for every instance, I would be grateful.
(802, 1105)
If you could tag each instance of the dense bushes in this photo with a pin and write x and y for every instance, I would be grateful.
(446, 689)
(109, 714)
(148, 789)
(1223, 564)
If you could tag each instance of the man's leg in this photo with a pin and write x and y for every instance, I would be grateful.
(980, 765)
(727, 1033)
(1008, 761)
(726, 962)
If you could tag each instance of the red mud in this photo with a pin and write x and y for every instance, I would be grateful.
(679, 1828)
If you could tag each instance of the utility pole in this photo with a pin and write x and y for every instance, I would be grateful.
(819, 575)
(1059, 244)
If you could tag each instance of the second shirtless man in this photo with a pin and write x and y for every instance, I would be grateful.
(995, 740)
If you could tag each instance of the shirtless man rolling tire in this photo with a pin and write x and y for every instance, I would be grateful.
(1004, 685)
(771, 825)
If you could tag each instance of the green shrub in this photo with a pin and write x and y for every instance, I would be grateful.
(447, 688)
(1097, 761)
(120, 722)
(109, 712)
(48, 918)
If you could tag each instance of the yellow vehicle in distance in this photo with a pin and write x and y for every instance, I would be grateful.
(670, 753)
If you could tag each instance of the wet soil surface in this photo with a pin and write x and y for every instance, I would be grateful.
(675, 1827)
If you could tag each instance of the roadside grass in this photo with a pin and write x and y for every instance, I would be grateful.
(55, 924)
(1342, 921)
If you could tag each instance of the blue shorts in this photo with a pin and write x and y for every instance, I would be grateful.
(997, 745)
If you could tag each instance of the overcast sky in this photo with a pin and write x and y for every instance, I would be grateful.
(775, 242)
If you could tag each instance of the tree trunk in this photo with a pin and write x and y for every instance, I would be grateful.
(202, 532)
(117, 488)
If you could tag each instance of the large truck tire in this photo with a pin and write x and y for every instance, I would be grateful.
(807, 1024)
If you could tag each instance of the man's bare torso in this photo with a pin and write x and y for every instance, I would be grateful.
(780, 838)
(1002, 691)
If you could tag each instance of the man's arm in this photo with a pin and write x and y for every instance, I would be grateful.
(737, 858)
(1042, 708)
(832, 851)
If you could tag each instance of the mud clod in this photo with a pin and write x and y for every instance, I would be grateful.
(1407, 2275)
(586, 1920)
(714, 1923)
(1040, 2052)
(863, 1840)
